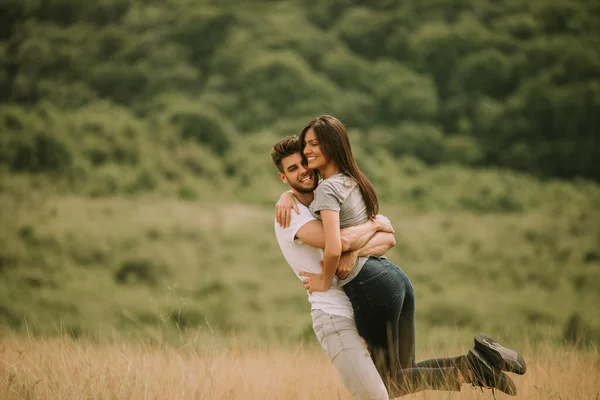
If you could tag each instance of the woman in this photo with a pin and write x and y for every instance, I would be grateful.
(381, 294)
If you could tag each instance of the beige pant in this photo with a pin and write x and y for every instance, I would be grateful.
(348, 353)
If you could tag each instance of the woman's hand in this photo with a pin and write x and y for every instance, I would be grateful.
(283, 209)
(315, 282)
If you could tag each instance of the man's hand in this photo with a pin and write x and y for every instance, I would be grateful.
(315, 282)
(346, 264)
(383, 223)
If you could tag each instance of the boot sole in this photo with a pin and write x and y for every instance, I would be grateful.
(491, 376)
(499, 356)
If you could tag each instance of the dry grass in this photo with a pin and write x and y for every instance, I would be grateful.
(63, 368)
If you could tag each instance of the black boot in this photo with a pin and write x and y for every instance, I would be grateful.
(481, 373)
(500, 357)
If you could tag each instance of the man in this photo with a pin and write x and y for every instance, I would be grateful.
(301, 243)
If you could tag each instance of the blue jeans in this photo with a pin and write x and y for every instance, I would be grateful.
(383, 300)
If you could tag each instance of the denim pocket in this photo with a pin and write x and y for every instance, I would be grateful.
(380, 290)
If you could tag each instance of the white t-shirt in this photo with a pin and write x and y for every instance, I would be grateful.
(302, 257)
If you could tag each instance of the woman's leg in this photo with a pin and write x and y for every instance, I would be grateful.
(406, 321)
(377, 296)
(383, 300)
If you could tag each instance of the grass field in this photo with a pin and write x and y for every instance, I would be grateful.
(162, 296)
(156, 264)
(64, 368)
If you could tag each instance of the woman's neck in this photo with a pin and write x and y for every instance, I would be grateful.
(329, 170)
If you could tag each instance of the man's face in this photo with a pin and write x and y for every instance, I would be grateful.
(297, 175)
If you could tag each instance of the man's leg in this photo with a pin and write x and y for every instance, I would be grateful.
(339, 338)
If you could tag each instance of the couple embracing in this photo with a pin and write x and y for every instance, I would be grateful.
(362, 305)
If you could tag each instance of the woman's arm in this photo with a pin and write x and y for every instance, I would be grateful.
(283, 209)
(333, 244)
(331, 254)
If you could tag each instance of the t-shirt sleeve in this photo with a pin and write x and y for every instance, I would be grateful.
(327, 197)
(298, 220)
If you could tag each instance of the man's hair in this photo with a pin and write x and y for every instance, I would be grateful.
(285, 147)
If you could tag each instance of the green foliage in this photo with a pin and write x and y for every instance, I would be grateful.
(104, 263)
(205, 126)
(517, 83)
(139, 271)
(28, 146)
(422, 140)
(365, 30)
(402, 94)
(123, 122)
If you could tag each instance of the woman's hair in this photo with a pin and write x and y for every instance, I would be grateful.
(335, 145)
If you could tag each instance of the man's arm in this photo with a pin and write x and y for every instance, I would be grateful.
(378, 245)
(353, 238)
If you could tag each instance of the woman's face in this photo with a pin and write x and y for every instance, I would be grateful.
(312, 151)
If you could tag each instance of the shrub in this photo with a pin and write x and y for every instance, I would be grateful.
(402, 94)
(139, 271)
(286, 85)
(423, 141)
(144, 181)
(206, 126)
(577, 332)
(186, 192)
(107, 134)
(462, 149)
(105, 181)
(365, 31)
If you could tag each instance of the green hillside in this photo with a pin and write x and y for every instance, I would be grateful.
(487, 251)
(137, 192)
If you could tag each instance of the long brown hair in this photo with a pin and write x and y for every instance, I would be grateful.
(335, 145)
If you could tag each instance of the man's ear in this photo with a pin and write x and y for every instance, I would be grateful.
(282, 177)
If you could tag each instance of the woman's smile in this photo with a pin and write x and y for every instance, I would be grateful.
(312, 151)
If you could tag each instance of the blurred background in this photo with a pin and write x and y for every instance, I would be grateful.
(137, 191)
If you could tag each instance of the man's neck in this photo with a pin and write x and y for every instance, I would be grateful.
(304, 198)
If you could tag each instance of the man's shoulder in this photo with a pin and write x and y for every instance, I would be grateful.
(297, 220)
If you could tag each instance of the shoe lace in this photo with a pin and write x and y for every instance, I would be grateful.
(487, 387)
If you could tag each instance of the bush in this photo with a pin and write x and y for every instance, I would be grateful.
(365, 31)
(403, 94)
(186, 192)
(410, 138)
(462, 149)
(25, 147)
(107, 134)
(41, 152)
(577, 332)
(139, 271)
(144, 181)
(205, 126)
(285, 84)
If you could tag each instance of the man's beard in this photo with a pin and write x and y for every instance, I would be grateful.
(303, 189)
